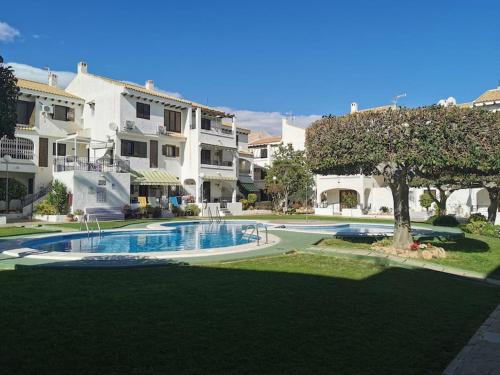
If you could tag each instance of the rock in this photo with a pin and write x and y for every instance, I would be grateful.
(426, 254)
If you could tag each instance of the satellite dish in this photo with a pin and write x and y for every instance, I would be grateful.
(451, 101)
(113, 126)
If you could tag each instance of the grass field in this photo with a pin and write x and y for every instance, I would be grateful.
(290, 314)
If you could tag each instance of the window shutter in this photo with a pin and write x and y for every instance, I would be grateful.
(43, 152)
(70, 115)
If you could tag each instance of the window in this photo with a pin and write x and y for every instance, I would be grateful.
(142, 110)
(61, 149)
(205, 156)
(133, 148)
(263, 153)
(24, 111)
(170, 151)
(62, 113)
(206, 123)
(172, 121)
(101, 195)
(263, 174)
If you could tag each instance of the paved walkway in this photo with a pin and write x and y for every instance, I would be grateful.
(481, 355)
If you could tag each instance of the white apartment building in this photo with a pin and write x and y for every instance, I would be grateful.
(115, 143)
(371, 191)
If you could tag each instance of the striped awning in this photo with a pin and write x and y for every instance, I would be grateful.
(247, 183)
(219, 178)
(154, 177)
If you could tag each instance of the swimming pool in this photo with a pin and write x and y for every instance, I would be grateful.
(361, 230)
(172, 237)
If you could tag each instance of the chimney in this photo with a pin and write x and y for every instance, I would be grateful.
(354, 107)
(52, 79)
(150, 85)
(82, 67)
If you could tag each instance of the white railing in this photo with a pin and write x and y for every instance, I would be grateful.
(17, 148)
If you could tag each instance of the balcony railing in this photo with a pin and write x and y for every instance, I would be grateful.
(217, 163)
(72, 163)
(17, 148)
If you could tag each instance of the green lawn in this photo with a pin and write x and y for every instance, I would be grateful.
(18, 231)
(474, 252)
(290, 314)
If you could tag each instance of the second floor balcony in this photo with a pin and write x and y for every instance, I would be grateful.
(83, 163)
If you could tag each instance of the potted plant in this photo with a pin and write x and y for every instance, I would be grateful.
(78, 215)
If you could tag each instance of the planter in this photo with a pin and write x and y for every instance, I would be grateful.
(50, 218)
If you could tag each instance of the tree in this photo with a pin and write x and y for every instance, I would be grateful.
(8, 101)
(426, 200)
(402, 144)
(446, 184)
(289, 176)
(58, 197)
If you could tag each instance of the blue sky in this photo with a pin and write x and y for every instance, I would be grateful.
(270, 57)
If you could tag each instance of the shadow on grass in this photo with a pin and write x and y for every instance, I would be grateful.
(301, 314)
(463, 245)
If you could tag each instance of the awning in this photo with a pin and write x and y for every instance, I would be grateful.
(247, 183)
(219, 178)
(152, 177)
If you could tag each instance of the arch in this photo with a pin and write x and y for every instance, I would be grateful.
(339, 198)
(189, 181)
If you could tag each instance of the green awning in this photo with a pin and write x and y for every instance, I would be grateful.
(154, 177)
(246, 182)
(250, 187)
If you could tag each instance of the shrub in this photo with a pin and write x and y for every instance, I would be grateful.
(443, 221)
(78, 212)
(192, 210)
(385, 242)
(17, 190)
(45, 208)
(426, 201)
(483, 228)
(156, 212)
(264, 205)
(252, 198)
(177, 211)
(477, 217)
(296, 205)
(58, 197)
(384, 209)
(350, 199)
(244, 203)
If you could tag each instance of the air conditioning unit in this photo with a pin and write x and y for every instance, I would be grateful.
(48, 109)
(162, 129)
(129, 125)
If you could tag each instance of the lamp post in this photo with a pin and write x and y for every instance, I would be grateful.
(7, 158)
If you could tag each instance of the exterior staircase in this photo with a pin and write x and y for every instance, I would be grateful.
(225, 212)
(30, 201)
(106, 214)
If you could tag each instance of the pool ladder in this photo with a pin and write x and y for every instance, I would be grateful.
(86, 219)
(255, 230)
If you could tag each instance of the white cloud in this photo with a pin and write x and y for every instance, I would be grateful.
(269, 122)
(40, 75)
(8, 33)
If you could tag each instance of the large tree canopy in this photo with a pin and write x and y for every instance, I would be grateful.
(8, 101)
(404, 143)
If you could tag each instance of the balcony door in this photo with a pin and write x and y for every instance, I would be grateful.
(206, 191)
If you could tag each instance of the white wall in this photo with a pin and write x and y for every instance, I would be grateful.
(83, 186)
(293, 135)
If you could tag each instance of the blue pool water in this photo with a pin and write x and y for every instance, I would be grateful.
(179, 236)
(358, 230)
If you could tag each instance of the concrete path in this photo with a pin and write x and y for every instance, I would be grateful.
(481, 355)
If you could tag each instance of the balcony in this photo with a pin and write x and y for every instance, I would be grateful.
(218, 163)
(78, 163)
(17, 148)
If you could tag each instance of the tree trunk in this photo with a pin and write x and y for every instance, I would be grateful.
(402, 225)
(441, 202)
(494, 194)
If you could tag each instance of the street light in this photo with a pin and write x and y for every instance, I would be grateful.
(7, 158)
